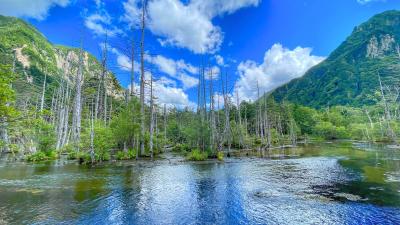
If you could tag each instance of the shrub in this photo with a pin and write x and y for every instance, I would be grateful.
(197, 155)
(121, 155)
(35, 157)
(41, 156)
(328, 131)
(220, 156)
(181, 148)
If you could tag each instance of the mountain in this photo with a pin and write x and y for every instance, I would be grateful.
(35, 57)
(350, 75)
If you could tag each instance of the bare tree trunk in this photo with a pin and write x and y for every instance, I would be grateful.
(227, 132)
(142, 81)
(369, 118)
(151, 117)
(212, 116)
(165, 124)
(76, 117)
(43, 92)
(132, 68)
(92, 155)
(387, 117)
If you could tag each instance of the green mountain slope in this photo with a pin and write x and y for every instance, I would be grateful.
(35, 57)
(349, 76)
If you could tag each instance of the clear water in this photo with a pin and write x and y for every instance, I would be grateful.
(338, 183)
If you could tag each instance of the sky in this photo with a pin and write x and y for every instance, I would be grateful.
(247, 42)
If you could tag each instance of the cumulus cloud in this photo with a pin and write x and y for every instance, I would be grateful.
(165, 89)
(219, 60)
(177, 69)
(124, 62)
(280, 65)
(186, 25)
(213, 8)
(212, 72)
(28, 8)
(100, 23)
(132, 13)
(170, 95)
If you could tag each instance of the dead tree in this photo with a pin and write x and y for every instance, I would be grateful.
(151, 117)
(387, 117)
(165, 123)
(92, 154)
(43, 92)
(142, 81)
(212, 115)
(227, 129)
(76, 116)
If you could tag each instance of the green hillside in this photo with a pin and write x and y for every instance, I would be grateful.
(35, 57)
(349, 76)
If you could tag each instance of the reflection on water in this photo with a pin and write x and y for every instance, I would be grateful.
(338, 183)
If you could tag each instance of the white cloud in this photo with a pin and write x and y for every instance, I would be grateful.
(220, 60)
(186, 25)
(280, 65)
(124, 62)
(165, 89)
(178, 69)
(132, 12)
(27, 8)
(217, 7)
(363, 2)
(215, 73)
(101, 24)
(171, 96)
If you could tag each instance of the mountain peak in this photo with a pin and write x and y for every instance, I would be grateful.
(349, 75)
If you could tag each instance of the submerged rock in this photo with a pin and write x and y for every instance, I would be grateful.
(348, 196)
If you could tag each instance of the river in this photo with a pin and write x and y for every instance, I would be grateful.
(323, 183)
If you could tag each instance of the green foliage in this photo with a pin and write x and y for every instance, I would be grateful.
(41, 156)
(6, 92)
(220, 156)
(36, 157)
(197, 155)
(45, 136)
(328, 131)
(122, 155)
(103, 141)
(349, 76)
(125, 126)
(182, 148)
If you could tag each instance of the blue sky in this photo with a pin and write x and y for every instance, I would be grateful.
(264, 41)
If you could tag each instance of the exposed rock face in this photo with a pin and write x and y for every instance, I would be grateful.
(379, 47)
(23, 59)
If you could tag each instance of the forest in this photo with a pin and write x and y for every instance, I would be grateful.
(91, 126)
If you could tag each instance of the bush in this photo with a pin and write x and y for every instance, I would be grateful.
(181, 148)
(121, 155)
(36, 157)
(328, 131)
(220, 156)
(41, 156)
(197, 155)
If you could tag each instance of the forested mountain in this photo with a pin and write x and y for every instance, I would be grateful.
(34, 58)
(350, 75)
